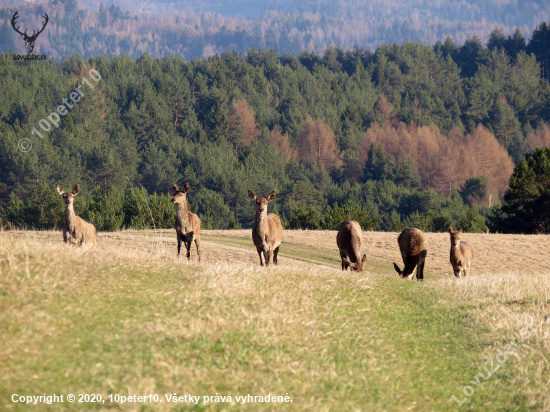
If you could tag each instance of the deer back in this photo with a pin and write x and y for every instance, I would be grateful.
(88, 230)
(412, 242)
(275, 229)
(463, 254)
(194, 222)
(349, 239)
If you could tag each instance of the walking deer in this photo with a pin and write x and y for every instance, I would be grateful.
(267, 233)
(413, 246)
(75, 229)
(348, 240)
(188, 224)
(461, 254)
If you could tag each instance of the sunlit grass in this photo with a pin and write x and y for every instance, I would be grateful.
(129, 318)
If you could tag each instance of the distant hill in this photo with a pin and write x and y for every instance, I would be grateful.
(200, 29)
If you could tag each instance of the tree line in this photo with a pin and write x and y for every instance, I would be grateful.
(395, 137)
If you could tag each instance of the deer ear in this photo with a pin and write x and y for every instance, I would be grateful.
(251, 194)
(186, 188)
(397, 268)
(76, 190)
(347, 262)
(450, 229)
(60, 190)
(460, 229)
(175, 187)
(364, 258)
(271, 196)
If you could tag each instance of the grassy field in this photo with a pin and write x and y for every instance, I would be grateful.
(129, 318)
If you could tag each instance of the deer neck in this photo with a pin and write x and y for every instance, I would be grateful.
(70, 217)
(456, 252)
(181, 213)
(260, 223)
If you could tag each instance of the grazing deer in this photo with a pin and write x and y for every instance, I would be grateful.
(348, 240)
(75, 229)
(413, 246)
(188, 224)
(267, 233)
(461, 254)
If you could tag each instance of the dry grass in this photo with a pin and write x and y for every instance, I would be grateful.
(129, 318)
(493, 253)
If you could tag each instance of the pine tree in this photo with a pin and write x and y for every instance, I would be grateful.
(496, 40)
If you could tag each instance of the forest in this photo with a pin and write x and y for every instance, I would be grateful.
(202, 29)
(407, 135)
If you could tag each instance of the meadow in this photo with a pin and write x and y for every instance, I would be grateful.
(130, 318)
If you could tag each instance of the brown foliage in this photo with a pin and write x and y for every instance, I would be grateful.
(540, 138)
(445, 163)
(242, 122)
(281, 142)
(316, 144)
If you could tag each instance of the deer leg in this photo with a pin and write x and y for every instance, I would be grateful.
(261, 254)
(179, 244)
(343, 257)
(420, 270)
(198, 246)
(267, 256)
(188, 247)
(275, 253)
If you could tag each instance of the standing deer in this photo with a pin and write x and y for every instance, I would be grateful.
(267, 233)
(413, 246)
(75, 229)
(348, 240)
(461, 254)
(188, 224)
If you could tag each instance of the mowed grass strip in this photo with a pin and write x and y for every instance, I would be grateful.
(116, 321)
(292, 249)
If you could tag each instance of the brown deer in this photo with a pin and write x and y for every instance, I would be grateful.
(188, 224)
(267, 233)
(75, 229)
(413, 246)
(348, 240)
(461, 254)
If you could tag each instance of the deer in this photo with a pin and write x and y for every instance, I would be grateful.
(413, 247)
(348, 240)
(188, 224)
(267, 233)
(29, 40)
(75, 229)
(461, 254)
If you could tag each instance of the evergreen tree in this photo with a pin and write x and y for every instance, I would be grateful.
(496, 40)
(527, 208)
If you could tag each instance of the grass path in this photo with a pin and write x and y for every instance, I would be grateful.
(114, 320)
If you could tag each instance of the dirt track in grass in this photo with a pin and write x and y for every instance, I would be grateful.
(493, 253)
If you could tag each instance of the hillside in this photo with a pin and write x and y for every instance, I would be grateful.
(398, 137)
(202, 29)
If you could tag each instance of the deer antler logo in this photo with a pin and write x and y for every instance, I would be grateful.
(29, 40)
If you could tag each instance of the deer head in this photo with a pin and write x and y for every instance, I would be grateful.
(180, 196)
(357, 266)
(29, 40)
(68, 197)
(455, 236)
(261, 202)
(407, 272)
